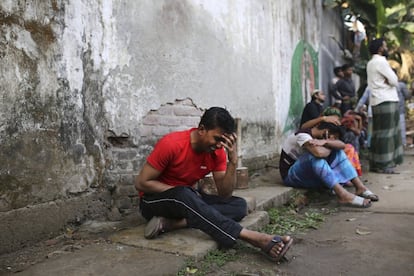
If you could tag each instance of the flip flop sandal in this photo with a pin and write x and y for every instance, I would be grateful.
(277, 239)
(390, 171)
(370, 195)
(154, 228)
(358, 201)
(386, 171)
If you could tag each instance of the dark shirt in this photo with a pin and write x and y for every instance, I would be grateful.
(346, 87)
(333, 89)
(311, 111)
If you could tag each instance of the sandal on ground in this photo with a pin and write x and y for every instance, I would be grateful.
(277, 239)
(358, 202)
(154, 228)
(386, 171)
(370, 195)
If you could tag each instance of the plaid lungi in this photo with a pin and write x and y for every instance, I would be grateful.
(386, 146)
(311, 172)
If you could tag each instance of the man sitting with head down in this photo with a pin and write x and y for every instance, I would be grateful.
(179, 160)
(314, 158)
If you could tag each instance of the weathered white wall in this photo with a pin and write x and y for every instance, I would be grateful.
(214, 52)
(81, 81)
(233, 54)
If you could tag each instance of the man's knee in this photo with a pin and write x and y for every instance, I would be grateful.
(241, 211)
(318, 163)
(185, 194)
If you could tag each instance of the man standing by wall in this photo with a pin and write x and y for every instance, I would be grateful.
(386, 147)
(335, 96)
(346, 88)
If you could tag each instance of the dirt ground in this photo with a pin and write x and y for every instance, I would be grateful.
(349, 242)
(374, 241)
(384, 246)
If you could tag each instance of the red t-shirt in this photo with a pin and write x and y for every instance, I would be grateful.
(179, 164)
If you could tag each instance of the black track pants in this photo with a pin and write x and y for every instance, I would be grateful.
(211, 214)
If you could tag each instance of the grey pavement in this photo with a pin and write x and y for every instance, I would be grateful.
(127, 252)
(395, 191)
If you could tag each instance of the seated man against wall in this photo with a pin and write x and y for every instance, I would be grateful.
(313, 109)
(314, 158)
(311, 114)
(349, 136)
(353, 123)
(178, 161)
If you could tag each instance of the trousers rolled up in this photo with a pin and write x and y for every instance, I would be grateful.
(212, 214)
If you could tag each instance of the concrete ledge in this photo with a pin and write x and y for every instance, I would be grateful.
(25, 226)
(185, 242)
(256, 220)
(267, 196)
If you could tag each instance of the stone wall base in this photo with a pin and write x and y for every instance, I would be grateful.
(25, 226)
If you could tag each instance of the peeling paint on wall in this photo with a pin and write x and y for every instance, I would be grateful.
(51, 126)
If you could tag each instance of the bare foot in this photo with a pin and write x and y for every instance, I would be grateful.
(360, 190)
(174, 224)
(276, 246)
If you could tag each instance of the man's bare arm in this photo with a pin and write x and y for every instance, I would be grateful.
(322, 147)
(147, 181)
(316, 150)
(328, 119)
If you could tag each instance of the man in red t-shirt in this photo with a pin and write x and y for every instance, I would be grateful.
(179, 159)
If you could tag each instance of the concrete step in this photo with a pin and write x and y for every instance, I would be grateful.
(266, 196)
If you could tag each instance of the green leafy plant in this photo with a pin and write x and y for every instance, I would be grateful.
(286, 219)
(215, 258)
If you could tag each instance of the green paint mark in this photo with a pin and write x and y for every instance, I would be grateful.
(304, 79)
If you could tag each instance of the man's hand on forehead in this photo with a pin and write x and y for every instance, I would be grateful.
(230, 145)
(232, 137)
(228, 139)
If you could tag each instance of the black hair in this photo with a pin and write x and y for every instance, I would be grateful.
(217, 117)
(332, 128)
(375, 45)
(337, 69)
(346, 66)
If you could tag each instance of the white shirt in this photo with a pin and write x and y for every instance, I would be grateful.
(293, 144)
(382, 81)
(291, 150)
